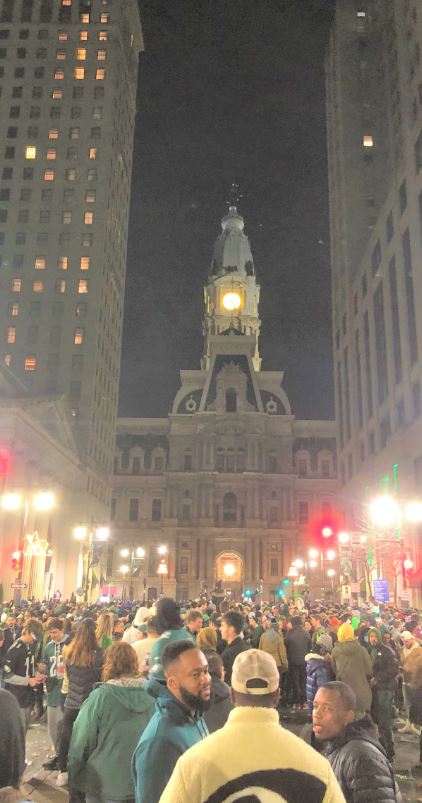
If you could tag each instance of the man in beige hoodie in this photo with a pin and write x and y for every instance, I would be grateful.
(410, 656)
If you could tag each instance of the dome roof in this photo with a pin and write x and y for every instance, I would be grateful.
(233, 221)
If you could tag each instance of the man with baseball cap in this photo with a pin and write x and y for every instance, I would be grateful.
(252, 756)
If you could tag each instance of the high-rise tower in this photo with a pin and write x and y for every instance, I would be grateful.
(374, 128)
(68, 77)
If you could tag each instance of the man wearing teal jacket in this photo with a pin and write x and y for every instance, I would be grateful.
(177, 723)
(54, 668)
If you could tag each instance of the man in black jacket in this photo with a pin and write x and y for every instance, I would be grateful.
(19, 672)
(12, 741)
(385, 667)
(232, 632)
(298, 644)
(357, 758)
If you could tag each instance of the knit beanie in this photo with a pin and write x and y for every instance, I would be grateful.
(346, 633)
(326, 641)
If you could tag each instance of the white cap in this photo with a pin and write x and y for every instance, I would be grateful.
(255, 672)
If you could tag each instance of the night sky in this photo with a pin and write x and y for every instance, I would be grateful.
(229, 91)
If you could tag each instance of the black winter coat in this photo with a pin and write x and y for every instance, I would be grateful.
(228, 657)
(385, 668)
(298, 643)
(221, 705)
(361, 765)
(82, 680)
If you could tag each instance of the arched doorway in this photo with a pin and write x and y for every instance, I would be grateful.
(229, 569)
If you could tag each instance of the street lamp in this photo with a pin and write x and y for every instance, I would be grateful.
(163, 571)
(136, 554)
(93, 534)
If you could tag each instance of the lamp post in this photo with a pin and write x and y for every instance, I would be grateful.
(93, 535)
(136, 554)
(30, 546)
(162, 570)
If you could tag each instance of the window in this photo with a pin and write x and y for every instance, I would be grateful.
(9, 152)
(37, 286)
(92, 153)
(78, 92)
(103, 36)
(410, 298)
(87, 240)
(84, 18)
(49, 175)
(90, 196)
(156, 510)
(11, 334)
(34, 112)
(184, 564)
(30, 152)
(187, 461)
(57, 94)
(229, 507)
(66, 217)
(16, 285)
(368, 141)
(92, 174)
(302, 468)
(30, 363)
(104, 17)
(303, 512)
(79, 73)
(78, 337)
(60, 55)
(83, 36)
(59, 75)
(231, 401)
(62, 36)
(84, 263)
(75, 111)
(83, 286)
(136, 465)
(81, 54)
(55, 112)
(133, 509)
(88, 218)
(101, 55)
(77, 363)
(60, 286)
(15, 111)
(274, 567)
(97, 113)
(14, 310)
(74, 132)
(81, 309)
(51, 154)
(70, 174)
(100, 74)
(40, 263)
(63, 263)
(95, 132)
(98, 92)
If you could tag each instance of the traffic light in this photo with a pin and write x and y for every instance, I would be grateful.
(286, 581)
(280, 592)
(248, 593)
(17, 561)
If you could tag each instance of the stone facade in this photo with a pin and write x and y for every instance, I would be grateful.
(231, 482)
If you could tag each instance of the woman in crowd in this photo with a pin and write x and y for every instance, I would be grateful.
(83, 659)
(108, 729)
(104, 631)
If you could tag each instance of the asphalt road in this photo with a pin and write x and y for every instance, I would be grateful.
(40, 785)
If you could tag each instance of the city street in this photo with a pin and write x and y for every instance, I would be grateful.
(40, 784)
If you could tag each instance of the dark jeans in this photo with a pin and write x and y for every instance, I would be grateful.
(382, 712)
(298, 680)
(69, 717)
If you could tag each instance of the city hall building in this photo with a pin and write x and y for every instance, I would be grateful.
(229, 486)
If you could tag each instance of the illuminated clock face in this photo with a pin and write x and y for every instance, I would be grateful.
(231, 301)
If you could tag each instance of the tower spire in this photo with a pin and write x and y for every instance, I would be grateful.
(232, 293)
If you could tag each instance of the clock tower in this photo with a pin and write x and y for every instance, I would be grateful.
(232, 294)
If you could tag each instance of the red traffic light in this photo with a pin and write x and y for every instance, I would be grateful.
(17, 561)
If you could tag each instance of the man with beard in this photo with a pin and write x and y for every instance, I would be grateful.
(177, 723)
(252, 758)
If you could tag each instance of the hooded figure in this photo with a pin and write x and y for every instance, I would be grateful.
(352, 665)
(104, 737)
(318, 668)
(132, 633)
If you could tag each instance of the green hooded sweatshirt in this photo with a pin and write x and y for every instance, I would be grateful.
(104, 737)
(170, 732)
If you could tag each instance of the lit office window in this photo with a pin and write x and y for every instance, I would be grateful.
(66, 217)
(62, 36)
(81, 54)
(89, 218)
(30, 363)
(37, 286)
(63, 263)
(84, 263)
(60, 55)
(15, 310)
(51, 155)
(90, 196)
(101, 55)
(8, 359)
(30, 152)
(40, 263)
(368, 141)
(11, 334)
(78, 337)
(16, 285)
(71, 174)
(53, 133)
(103, 36)
(84, 18)
(49, 175)
(79, 73)
(59, 75)
(60, 286)
(57, 94)
(83, 36)
(93, 153)
(104, 17)
(83, 286)
(100, 74)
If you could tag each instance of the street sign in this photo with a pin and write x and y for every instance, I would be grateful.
(19, 585)
(381, 591)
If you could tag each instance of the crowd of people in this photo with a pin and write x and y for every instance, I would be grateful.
(184, 703)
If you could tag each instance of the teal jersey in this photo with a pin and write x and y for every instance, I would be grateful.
(53, 658)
